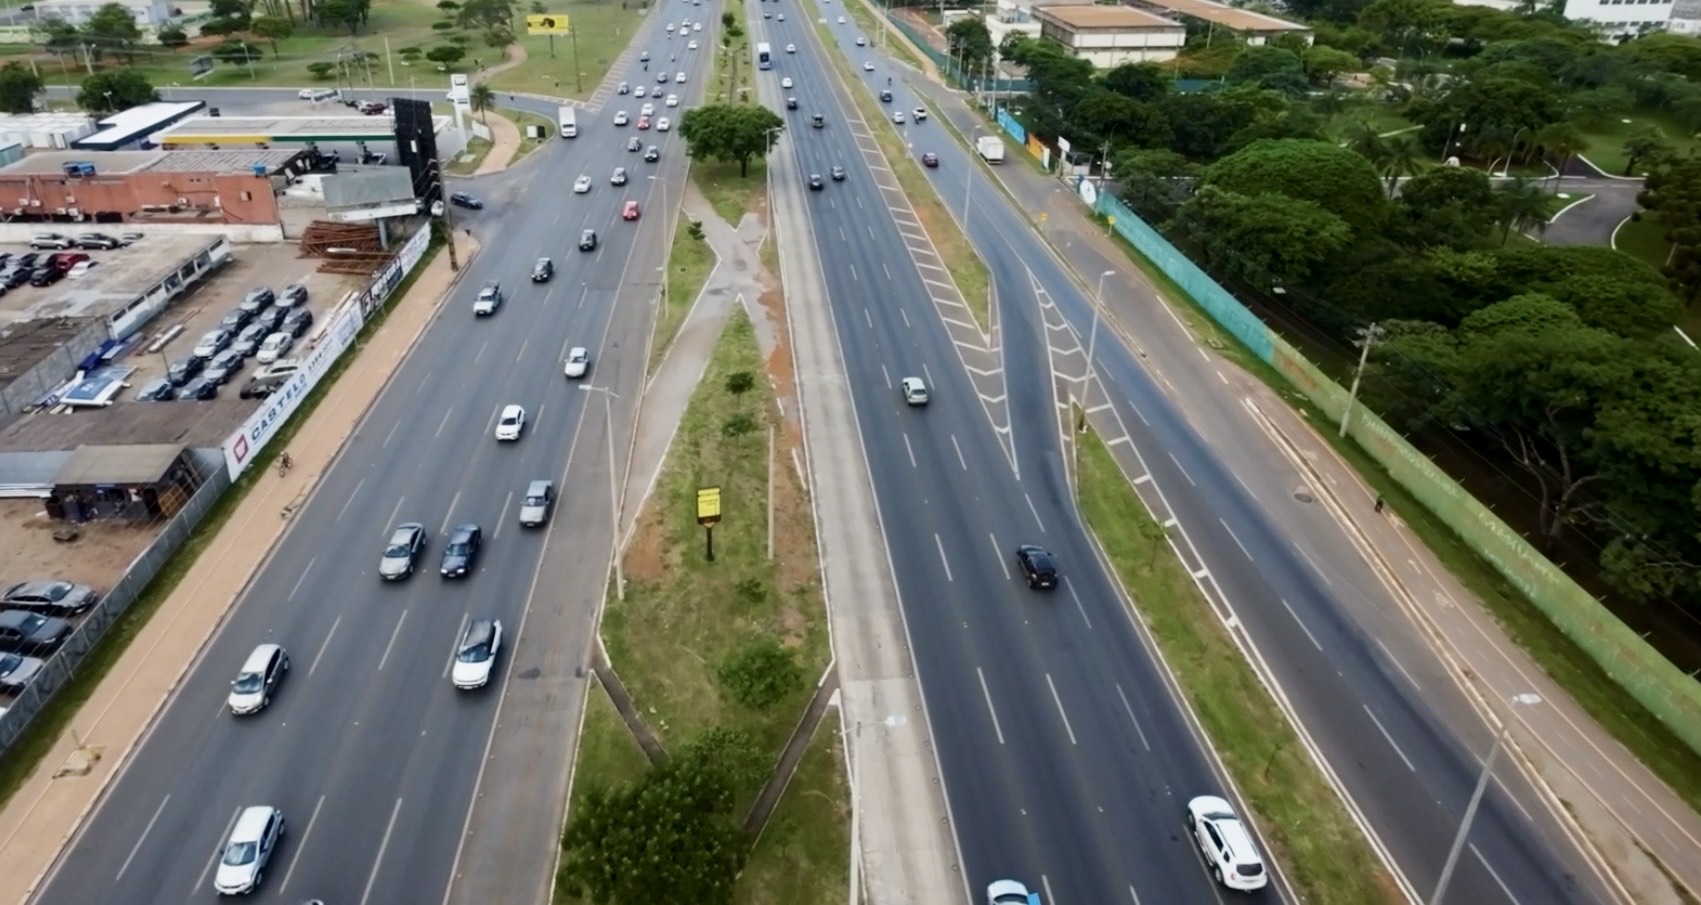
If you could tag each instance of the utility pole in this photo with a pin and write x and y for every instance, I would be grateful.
(448, 221)
(1367, 337)
(578, 77)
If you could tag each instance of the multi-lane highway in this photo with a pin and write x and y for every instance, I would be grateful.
(371, 754)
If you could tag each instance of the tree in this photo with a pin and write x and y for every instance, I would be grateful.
(273, 29)
(970, 41)
(1563, 141)
(1448, 206)
(1402, 156)
(1324, 173)
(321, 71)
(1599, 107)
(731, 133)
(172, 37)
(1267, 239)
(493, 17)
(1634, 310)
(1523, 206)
(236, 10)
(760, 674)
(1672, 194)
(1492, 108)
(113, 27)
(349, 14)
(219, 27)
(239, 53)
(1142, 82)
(109, 92)
(1322, 64)
(19, 86)
(482, 98)
(445, 55)
(1270, 68)
(1646, 146)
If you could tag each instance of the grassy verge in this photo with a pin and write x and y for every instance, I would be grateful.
(1606, 144)
(521, 120)
(608, 757)
(959, 257)
(869, 22)
(1645, 239)
(1316, 843)
(685, 618)
(691, 261)
(38, 740)
(603, 31)
(803, 857)
(733, 63)
(468, 161)
(730, 194)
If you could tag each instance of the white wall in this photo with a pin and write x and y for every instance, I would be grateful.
(20, 233)
(1620, 18)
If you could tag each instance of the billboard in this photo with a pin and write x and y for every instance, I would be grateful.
(547, 24)
(240, 447)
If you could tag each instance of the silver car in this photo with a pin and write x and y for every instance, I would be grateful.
(53, 597)
(16, 671)
(404, 547)
(534, 509)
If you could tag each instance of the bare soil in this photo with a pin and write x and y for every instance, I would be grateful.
(97, 558)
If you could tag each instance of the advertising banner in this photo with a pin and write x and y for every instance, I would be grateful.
(241, 446)
(547, 24)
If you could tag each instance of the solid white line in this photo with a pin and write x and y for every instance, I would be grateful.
(503, 519)
(942, 560)
(887, 269)
(1485, 866)
(1045, 881)
(1079, 608)
(909, 450)
(1031, 508)
(350, 501)
(142, 838)
(960, 460)
(1133, 719)
(854, 277)
(378, 862)
(450, 514)
(228, 824)
(1235, 538)
(1184, 473)
(1397, 665)
(998, 554)
(985, 692)
(300, 844)
(298, 581)
(324, 644)
(394, 633)
(455, 645)
(445, 421)
(1301, 623)
(868, 317)
(1389, 738)
(1133, 895)
(392, 522)
(1066, 728)
(481, 349)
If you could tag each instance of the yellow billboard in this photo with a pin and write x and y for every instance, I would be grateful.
(547, 24)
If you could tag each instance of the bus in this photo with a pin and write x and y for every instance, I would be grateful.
(764, 58)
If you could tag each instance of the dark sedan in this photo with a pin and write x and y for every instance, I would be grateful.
(26, 632)
(202, 389)
(157, 390)
(54, 597)
(184, 369)
(460, 554)
(1037, 566)
(297, 322)
(462, 199)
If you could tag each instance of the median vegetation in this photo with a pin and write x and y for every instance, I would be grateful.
(689, 264)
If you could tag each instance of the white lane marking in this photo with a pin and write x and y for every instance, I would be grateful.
(298, 581)
(886, 374)
(521, 355)
(905, 316)
(1080, 609)
(378, 862)
(910, 450)
(1314, 567)
(1397, 665)
(1133, 895)
(1060, 712)
(324, 644)
(942, 560)
(868, 317)
(142, 838)
(1485, 866)
(1132, 718)
(391, 435)
(1389, 738)
(998, 554)
(1184, 473)
(503, 519)
(1302, 627)
(960, 460)
(1035, 510)
(481, 349)
(987, 693)
(394, 634)
(350, 501)
(228, 824)
(854, 277)
(928, 373)
(445, 422)
(1236, 538)
(1045, 881)
(450, 514)
(394, 512)
(455, 645)
(300, 844)
(887, 269)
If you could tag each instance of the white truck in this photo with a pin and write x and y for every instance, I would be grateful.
(568, 117)
(990, 148)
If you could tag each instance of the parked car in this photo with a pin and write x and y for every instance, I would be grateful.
(51, 596)
(182, 370)
(63, 261)
(236, 320)
(224, 366)
(97, 240)
(52, 240)
(275, 347)
(27, 632)
(16, 671)
(248, 341)
(79, 269)
(212, 343)
(270, 319)
(160, 389)
(297, 322)
(46, 276)
(293, 296)
(201, 389)
(256, 299)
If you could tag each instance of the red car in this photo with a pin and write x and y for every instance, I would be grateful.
(643, 122)
(630, 212)
(930, 159)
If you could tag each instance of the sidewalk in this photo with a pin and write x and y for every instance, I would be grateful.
(1621, 806)
(504, 143)
(46, 812)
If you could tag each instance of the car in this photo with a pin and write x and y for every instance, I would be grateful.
(885, 96)
(867, 66)
(254, 838)
(661, 79)
(511, 423)
(647, 110)
(275, 347)
(620, 118)
(18, 277)
(160, 389)
(791, 103)
(52, 240)
(26, 260)
(782, 17)
(182, 370)
(97, 240)
(297, 322)
(27, 632)
(1223, 842)
(920, 114)
(1038, 566)
(930, 159)
(818, 121)
(543, 270)
(581, 185)
(692, 45)
(785, 82)
(618, 177)
(625, 88)
(670, 28)
(672, 100)
(54, 597)
(313, 94)
(79, 269)
(260, 675)
(630, 211)
(202, 389)
(578, 362)
(16, 671)
(269, 319)
(914, 390)
(537, 503)
(63, 261)
(224, 366)
(236, 320)
(644, 57)
(293, 296)
(466, 200)
(643, 122)
(372, 108)
(376, 158)
(767, 15)
(588, 240)
(634, 144)
(663, 124)
(696, 26)
(816, 184)
(488, 300)
(841, 20)
(129, 239)
(475, 656)
(46, 276)
(652, 154)
(406, 542)
(641, 91)
(212, 343)
(861, 41)
(791, 48)
(837, 174)
(1009, 892)
(461, 552)
(898, 117)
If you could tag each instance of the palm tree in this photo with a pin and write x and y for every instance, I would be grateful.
(1562, 140)
(482, 99)
(1523, 206)
(1402, 157)
(1366, 142)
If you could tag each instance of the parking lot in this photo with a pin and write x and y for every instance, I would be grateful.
(98, 557)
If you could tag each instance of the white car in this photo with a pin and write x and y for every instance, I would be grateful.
(791, 48)
(898, 116)
(640, 91)
(475, 656)
(696, 26)
(861, 41)
(1224, 844)
(79, 268)
(841, 20)
(673, 100)
(920, 114)
(275, 347)
(647, 110)
(620, 118)
(663, 124)
(1007, 892)
(253, 840)
(578, 362)
(785, 82)
(679, 78)
(581, 185)
(782, 17)
(251, 690)
(914, 390)
(488, 300)
(692, 45)
(510, 423)
(212, 343)
(867, 66)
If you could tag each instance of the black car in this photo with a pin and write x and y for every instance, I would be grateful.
(1037, 566)
(816, 183)
(791, 103)
(297, 322)
(26, 632)
(248, 341)
(256, 299)
(543, 270)
(885, 96)
(461, 552)
(183, 370)
(26, 260)
(588, 240)
(293, 296)
(236, 320)
(223, 367)
(652, 154)
(838, 174)
(159, 389)
(46, 276)
(261, 387)
(17, 276)
(270, 319)
(202, 388)
(97, 240)
(462, 199)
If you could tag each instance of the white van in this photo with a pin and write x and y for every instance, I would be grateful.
(568, 118)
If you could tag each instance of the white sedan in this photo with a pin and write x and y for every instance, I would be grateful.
(1007, 892)
(867, 66)
(673, 100)
(275, 347)
(861, 41)
(785, 82)
(663, 124)
(475, 656)
(511, 423)
(620, 118)
(679, 78)
(692, 45)
(578, 362)
(581, 185)
(841, 20)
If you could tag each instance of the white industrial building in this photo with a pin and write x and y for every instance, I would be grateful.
(44, 130)
(147, 12)
(1109, 36)
(1621, 18)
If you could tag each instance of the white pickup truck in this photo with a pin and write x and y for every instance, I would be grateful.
(489, 299)
(990, 148)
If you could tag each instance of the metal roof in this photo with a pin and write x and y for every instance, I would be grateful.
(52, 163)
(198, 425)
(132, 464)
(128, 124)
(383, 185)
(256, 130)
(1098, 17)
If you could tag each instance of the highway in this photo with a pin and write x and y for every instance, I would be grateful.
(372, 756)
(1401, 764)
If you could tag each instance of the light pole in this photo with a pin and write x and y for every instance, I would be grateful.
(608, 396)
(667, 256)
(1367, 337)
(1527, 699)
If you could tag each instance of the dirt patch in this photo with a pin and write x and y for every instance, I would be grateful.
(645, 559)
(98, 557)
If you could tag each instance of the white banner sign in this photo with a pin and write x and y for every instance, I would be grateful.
(252, 437)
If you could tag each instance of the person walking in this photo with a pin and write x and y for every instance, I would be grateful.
(1380, 503)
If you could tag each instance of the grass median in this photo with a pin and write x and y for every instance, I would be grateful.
(571, 66)
(869, 22)
(468, 161)
(803, 857)
(690, 262)
(608, 756)
(522, 119)
(1313, 839)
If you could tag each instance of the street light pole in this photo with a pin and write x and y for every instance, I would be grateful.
(1525, 699)
(1367, 337)
(448, 222)
(667, 256)
(613, 478)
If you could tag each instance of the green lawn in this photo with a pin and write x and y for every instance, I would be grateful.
(603, 30)
(1645, 239)
(869, 21)
(608, 756)
(522, 119)
(1379, 116)
(1310, 833)
(803, 857)
(691, 261)
(469, 159)
(730, 194)
(1606, 144)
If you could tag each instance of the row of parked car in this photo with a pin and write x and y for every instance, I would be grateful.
(35, 618)
(264, 326)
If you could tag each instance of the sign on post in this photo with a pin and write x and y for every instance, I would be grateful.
(548, 24)
(709, 515)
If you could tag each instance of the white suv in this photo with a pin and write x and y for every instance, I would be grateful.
(1225, 844)
(253, 840)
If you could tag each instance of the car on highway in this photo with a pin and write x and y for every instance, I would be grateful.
(182, 370)
(914, 390)
(641, 91)
(629, 211)
(841, 20)
(52, 240)
(618, 177)
(930, 159)
(885, 96)
(461, 552)
(578, 362)
(372, 108)
(17, 671)
(475, 657)
(643, 122)
(663, 124)
(1009, 892)
(692, 45)
(867, 66)
(275, 347)
(224, 366)
(511, 423)
(782, 17)
(588, 240)
(791, 103)
(251, 690)
(837, 173)
(898, 117)
(1039, 567)
(920, 114)
(254, 838)
(212, 343)
(157, 390)
(98, 240)
(661, 79)
(672, 100)
(543, 270)
(489, 299)
(861, 41)
(785, 82)
(55, 597)
(634, 144)
(652, 154)
(644, 57)
(791, 48)
(816, 183)
(315, 94)
(1224, 844)
(26, 632)
(625, 88)
(818, 121)
(647, 110)
(538, 501)
(402, 550)
(581, 185)
(620, 118)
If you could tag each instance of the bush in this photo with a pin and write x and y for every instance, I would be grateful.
(320, 71)
(740, 382)
(760, 674)
(737, 426)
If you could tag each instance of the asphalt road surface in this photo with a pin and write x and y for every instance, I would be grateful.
(370, 753)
